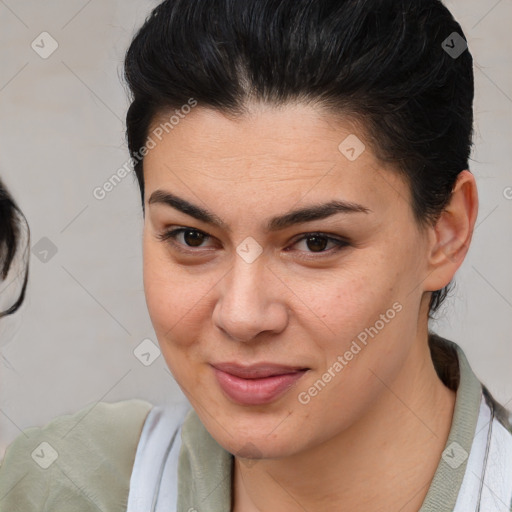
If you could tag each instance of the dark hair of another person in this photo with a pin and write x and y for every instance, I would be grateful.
(11, 218)
(378, 62)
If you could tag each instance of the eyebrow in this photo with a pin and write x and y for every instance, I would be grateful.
(309, 213)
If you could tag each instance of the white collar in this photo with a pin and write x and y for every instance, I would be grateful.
(487, 483)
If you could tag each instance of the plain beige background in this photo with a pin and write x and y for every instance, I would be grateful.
(62, 135)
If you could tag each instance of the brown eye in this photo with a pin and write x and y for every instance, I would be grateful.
(193, 237)
(317, 243)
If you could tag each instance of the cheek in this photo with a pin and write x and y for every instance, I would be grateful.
(359, 292)
(173, 307)
(173, 297)
(369, 304)
(157, 288)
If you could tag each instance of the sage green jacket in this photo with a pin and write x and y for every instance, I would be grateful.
(89, 455)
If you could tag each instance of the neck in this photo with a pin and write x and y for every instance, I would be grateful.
(378, 469)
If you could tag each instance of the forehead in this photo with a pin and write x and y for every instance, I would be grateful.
(265, 132)
(279, 153)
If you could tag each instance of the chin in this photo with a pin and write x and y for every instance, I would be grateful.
(255, 450)
(254, 442)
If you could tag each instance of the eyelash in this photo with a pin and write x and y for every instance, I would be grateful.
(170, 236)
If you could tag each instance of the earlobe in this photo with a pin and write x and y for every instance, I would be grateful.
(452, 233)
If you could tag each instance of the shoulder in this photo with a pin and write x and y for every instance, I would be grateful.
(65, 464)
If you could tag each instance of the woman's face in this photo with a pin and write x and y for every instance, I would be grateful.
(243, 289)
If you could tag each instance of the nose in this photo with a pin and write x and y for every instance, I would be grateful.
(251, 301)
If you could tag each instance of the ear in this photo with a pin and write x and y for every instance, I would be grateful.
(452, 233)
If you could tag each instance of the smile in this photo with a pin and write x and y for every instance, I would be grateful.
(258, 384)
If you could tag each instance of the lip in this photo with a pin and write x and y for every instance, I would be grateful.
(256, 384)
